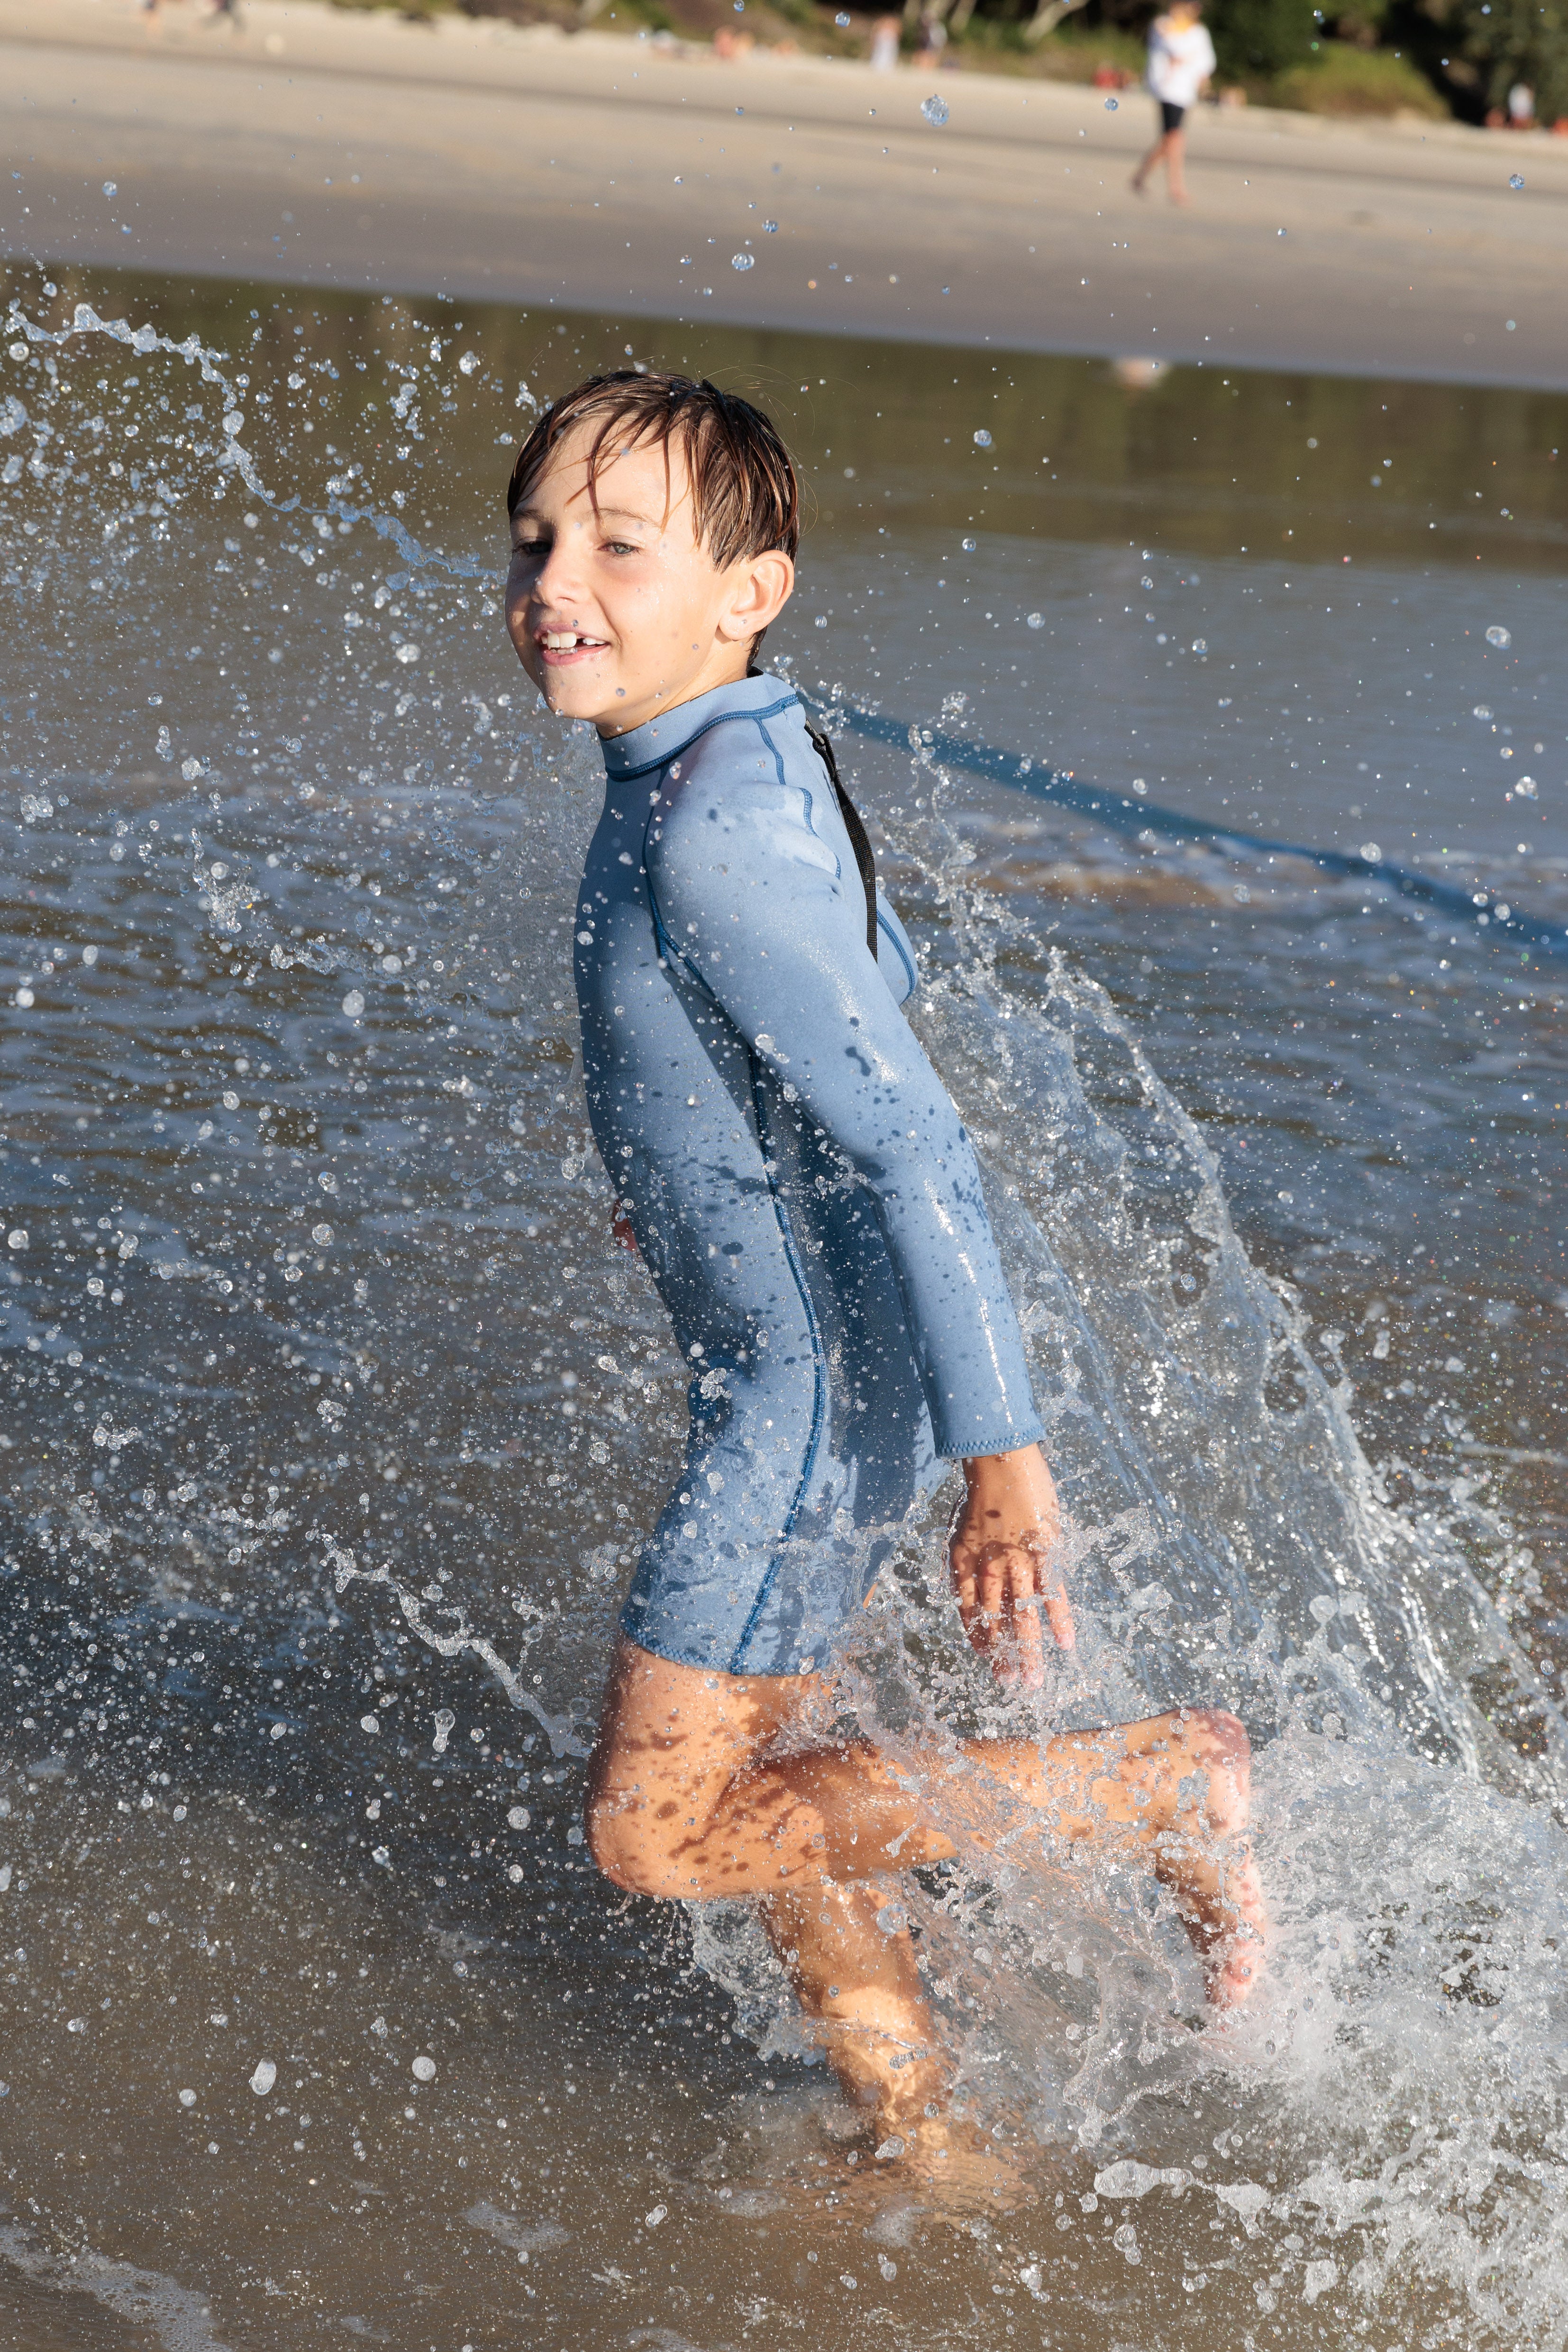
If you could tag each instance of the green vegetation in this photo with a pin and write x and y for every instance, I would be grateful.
(1344, 78)
(1257, 39)
(1502, 42)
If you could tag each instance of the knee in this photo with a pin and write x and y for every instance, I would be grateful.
(617, 1833)
(613, 1840)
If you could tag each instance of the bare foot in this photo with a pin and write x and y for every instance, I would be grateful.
(955, 2164)
(1229, 1924)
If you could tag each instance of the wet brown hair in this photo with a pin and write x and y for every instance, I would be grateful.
(745, 498)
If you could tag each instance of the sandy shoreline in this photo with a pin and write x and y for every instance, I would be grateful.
(474, 159)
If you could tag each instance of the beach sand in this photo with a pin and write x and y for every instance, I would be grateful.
(598, 172)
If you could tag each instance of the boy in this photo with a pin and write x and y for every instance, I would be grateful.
(810, 1209)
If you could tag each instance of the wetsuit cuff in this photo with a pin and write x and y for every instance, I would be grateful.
(1000, 1441)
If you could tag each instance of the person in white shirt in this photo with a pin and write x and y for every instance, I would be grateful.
(1181, 60)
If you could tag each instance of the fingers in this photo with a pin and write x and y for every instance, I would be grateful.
(997, 1587)
(1059, 1616)
(1024, 1618)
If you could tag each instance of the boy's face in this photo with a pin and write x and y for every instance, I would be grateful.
(615, 611)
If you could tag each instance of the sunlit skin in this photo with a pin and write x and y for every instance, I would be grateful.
(713, 1785)
(616, 613)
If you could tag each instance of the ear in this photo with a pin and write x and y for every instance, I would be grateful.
(761, 586)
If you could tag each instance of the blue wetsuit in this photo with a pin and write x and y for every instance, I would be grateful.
(797, 1177)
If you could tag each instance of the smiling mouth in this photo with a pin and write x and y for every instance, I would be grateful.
(560, 646)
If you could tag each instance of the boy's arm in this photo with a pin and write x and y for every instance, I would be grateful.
(757, 904)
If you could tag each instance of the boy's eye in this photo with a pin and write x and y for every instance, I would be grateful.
(622, 547)
(530, 550)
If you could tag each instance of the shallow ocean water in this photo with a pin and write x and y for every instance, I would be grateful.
(333, 1414)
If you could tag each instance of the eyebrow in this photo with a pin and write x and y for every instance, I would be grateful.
(603, 514)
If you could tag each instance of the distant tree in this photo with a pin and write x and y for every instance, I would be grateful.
(1511, 41)
(1256, 39)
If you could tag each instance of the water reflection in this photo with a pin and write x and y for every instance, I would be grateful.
(307, 1271)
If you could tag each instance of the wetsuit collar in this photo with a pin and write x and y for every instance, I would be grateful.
(665, 737)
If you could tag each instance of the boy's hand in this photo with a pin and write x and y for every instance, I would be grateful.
(999, 1554)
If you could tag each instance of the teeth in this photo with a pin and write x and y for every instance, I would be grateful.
(562, 640)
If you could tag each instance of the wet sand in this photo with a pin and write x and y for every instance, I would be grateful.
(321, 148)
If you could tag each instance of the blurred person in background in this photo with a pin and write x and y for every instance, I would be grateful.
(1181, 61)
(886, 34)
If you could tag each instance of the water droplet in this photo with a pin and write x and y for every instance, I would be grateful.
(518, 1818)
(1516, 179)
(1497, 637)
(935, 111)
(770, 229)
(1481, 710)
(656, 2216)
(1526, 788)
(743, 261)
(469, 363)
(1371, 852)
(841, 20)
(822, 620)
(1139, 786)
(110, 188)
(265, 2074)
(353, 1005)
(446, 1723)
(188, 2098)
(983, 439)
(408, 653)
(1200, 645)
(1110, 106)
(969, 546)
(1034, 620)
(423, 2070)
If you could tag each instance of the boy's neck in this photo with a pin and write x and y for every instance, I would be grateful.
(730, 670)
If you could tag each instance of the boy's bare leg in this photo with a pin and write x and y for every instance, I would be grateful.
(693, 1794)
(862, 1990)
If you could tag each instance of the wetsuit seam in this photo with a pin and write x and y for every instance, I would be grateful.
(778, 755)
(719, 719)
(818, 1372)
(897, 944)
(806, 795)
(662, 939)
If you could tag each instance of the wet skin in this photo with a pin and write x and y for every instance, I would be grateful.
(707, 1785)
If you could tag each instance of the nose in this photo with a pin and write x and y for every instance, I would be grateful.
(559, 579)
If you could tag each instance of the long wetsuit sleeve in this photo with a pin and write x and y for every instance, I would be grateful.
(756, 893)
